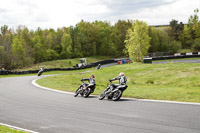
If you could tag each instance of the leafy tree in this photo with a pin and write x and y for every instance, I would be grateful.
(104, 44)
(186, 37)
(155, 40)
(194, 24)
(174, 46)
(52, 54)
(196, 45)
(18, 53)
(87, 38)
(137, 41)
(1, 56)
(119, 35)
(175, 29)
(76, 42)
(39, 50)
(66, 46)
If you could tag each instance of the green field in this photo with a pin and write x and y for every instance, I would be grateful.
(4, 129)
(172, 81)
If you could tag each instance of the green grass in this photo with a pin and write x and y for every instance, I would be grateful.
(65, 63)
(176, 82)
(4, 129)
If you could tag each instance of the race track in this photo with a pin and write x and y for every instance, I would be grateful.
(26, 106)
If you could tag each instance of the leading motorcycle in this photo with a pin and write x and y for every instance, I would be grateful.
(112, 92)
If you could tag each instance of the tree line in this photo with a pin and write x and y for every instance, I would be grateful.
(23, 47)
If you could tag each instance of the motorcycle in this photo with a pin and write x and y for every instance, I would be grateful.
(40, 72)
(83, 90)
(111, 92)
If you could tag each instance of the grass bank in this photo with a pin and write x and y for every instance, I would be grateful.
(4, 129)
(65, 63)
(175, 82)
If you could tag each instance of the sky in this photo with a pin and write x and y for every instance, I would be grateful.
(59, 13)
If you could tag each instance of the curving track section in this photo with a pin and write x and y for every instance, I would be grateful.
(26, 106)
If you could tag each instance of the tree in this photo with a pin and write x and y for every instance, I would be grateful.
(1, 56)
(18, 53)
(104, 44)
(186, 37)
(137, 41)
(196, 45)
(155, 40)
(194, 24)
(66, 46)
(119, 35)
(174, 46)
(87, 36)
(175, 29)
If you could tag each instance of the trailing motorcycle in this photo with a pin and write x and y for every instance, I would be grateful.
(83, 90)
(111, 92)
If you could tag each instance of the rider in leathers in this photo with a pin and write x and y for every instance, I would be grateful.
(92, 83)
(122, 81)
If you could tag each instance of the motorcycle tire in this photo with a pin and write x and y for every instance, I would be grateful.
(117, 95)
(40, 73)
(102, 96)
(86, 93)
(76, 92)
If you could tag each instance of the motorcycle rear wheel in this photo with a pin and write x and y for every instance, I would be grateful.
(117, 95)
(86, 92)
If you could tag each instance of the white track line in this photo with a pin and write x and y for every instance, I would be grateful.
(145, 100)
(18, 128)
(45, 88)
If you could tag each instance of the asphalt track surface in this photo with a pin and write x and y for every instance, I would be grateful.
(26, 106)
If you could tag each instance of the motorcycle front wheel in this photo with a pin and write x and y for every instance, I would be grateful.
(76, 92)
(86, 92)
(117, 95)
(102, 96)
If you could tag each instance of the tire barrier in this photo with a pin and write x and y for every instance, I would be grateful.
(175, 56)
(182, 55)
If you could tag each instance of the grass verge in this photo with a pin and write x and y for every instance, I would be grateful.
(4, 129)
(175, 82)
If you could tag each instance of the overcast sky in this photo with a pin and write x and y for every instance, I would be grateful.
(59, 13)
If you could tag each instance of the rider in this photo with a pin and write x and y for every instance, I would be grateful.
(92, 83)
(42, 69)
(122, 81)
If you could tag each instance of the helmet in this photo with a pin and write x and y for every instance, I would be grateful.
(121, 74)
(92, 76)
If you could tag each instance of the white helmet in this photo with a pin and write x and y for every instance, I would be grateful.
(121, 74)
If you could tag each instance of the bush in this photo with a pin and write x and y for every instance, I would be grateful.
(184, 51)
(150, 81)
(174, 46)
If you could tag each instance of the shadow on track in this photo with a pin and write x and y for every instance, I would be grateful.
(124, 100)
